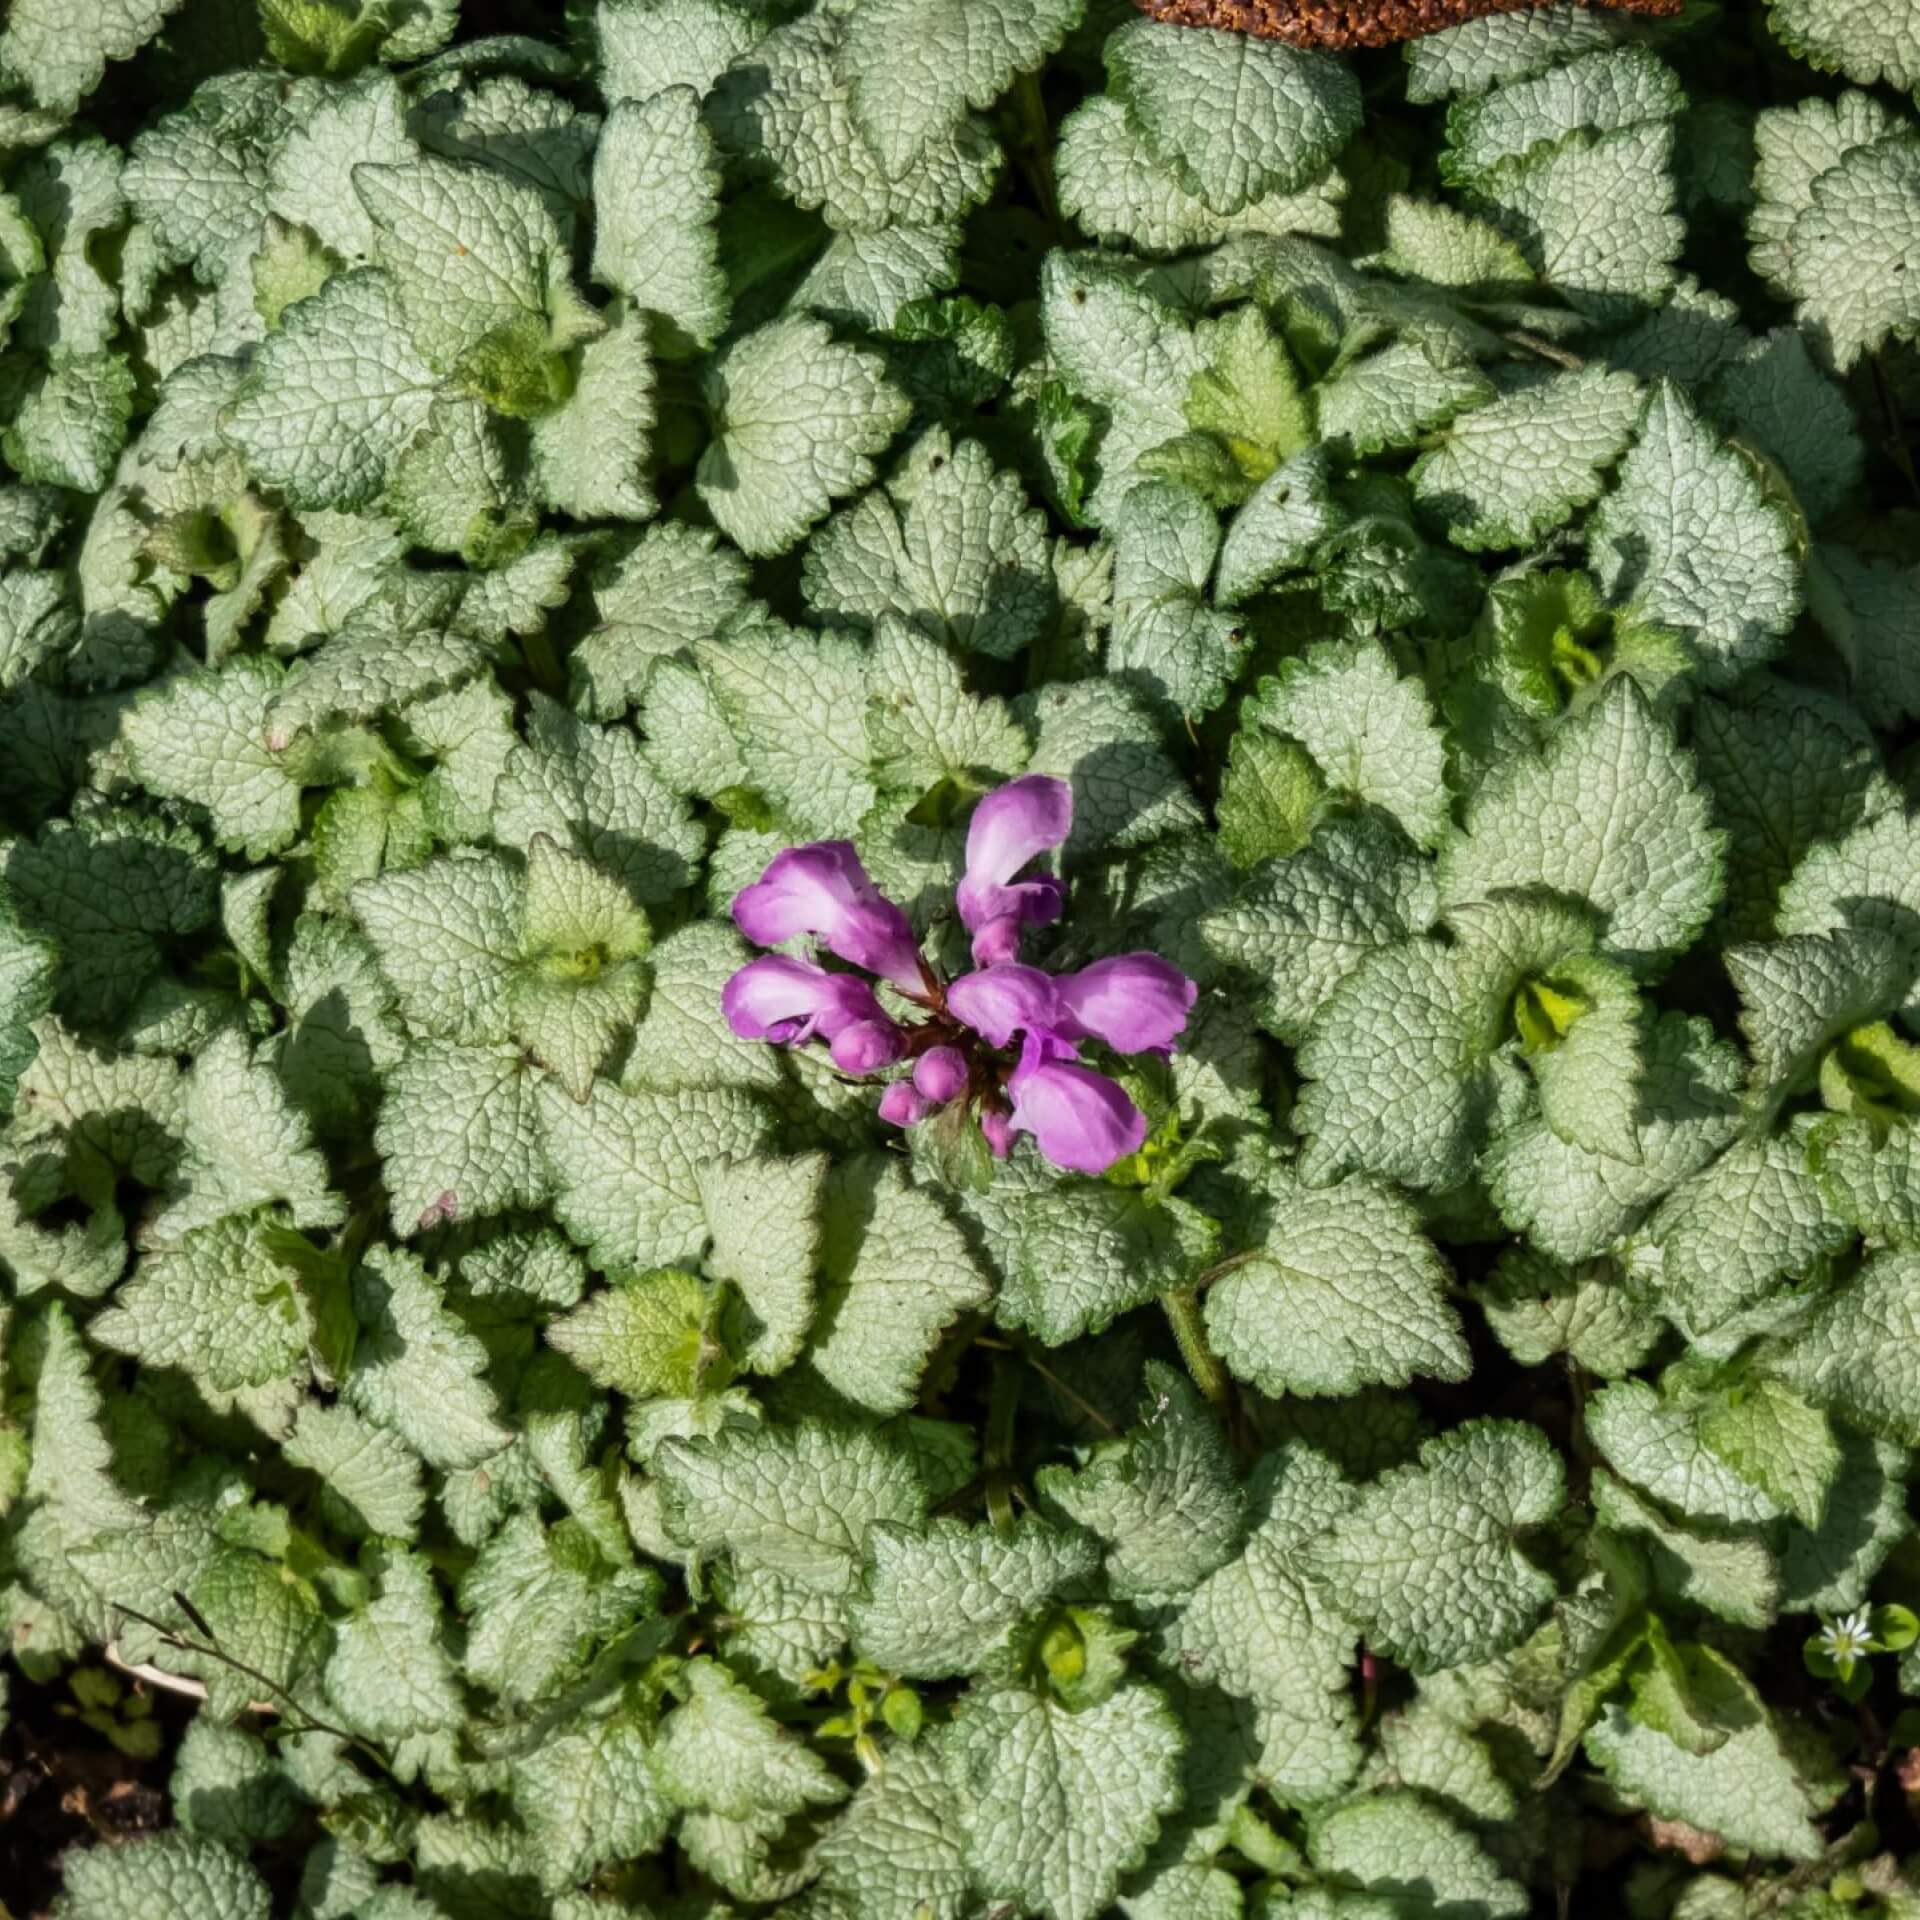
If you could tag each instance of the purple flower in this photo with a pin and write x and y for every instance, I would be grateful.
(962, 1049)
(1135, 1002)
(901, 1106)
(940, 1074)
(1010, 827)
(785, 1000)
(824, 890)
(1079, 1119)
(998, 1002)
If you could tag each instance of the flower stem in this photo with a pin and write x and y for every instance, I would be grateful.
(1190, 1336)
(1003, 1403)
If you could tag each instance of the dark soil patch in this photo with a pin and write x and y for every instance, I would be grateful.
(62, 1784)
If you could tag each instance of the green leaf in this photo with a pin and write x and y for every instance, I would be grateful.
(590, 1796)
(61, 52)
(1470, 58)
(656, 186)
(1759, 1790)
(1602, 92)
(594, 789)
(1539, 1308)
(796, 704)
(416, 1369)
(390, 1673)
(895, 1846)
(163, 1876)
(1733, 1576)
(719, 1751)
(1654, 1441)
(1058, 1805)
(1166, 639)
(1785, 1447)
(1751, 1221)
(1594, 215)
(1785, 774)
(790, 110)
(627, 1167)
(1371, 733)
(950, 544)
(912, 71)
(1072, 1255)
(538, 1600)
(644, 1336)
(592, 453)
(476, 257)
(1163, 1497)
(1853, 37)
(1692, 539)
(678, 585)
(798, 420)
(945, 1601)
(1234, 116)
(1343, 1291)
(896, 1271)
(1854, 1356)
(1277, 529)
(1302, 924)
(1794, 146)
(218, 1304)
(796, 1500)
(246, 1147)
(1610, 813)
(460, 1135)
(1416, 1860)
(335, 394)
(1508, 474)
(765, 1215)
(372, 1477)
(1426, 1563)
(28, 966)
(69, 427)
(1262, 1628)
(1398, 395)
(1121, 193)
(1855, 250)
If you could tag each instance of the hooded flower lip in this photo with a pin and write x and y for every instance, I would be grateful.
(823, 890)
(998, 1002)
(1079, 1119)
(1012, 826)
(784, 1000)
(1135, 1002)
(960, 1039)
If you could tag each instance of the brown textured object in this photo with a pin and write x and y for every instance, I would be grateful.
(1356, 23)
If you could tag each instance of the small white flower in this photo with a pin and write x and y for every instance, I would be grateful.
(1847, 1639)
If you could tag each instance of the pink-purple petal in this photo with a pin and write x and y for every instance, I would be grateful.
(867, 1046)
(1079, 1119)
(941, 1074)
(822, 889)
(1135, 1002)
(781, 999)
(1012, 826)
(998, 1002)
(901, 1106)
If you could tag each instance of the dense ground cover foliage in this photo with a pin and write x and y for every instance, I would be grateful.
(1432, 537)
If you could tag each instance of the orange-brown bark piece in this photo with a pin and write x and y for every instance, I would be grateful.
(1356, 23)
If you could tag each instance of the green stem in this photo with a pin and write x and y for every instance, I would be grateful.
(544, 664)
(1003, 1403)
(1035, 146)
(1190, 1336)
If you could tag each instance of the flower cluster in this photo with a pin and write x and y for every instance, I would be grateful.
(1002, 1042)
